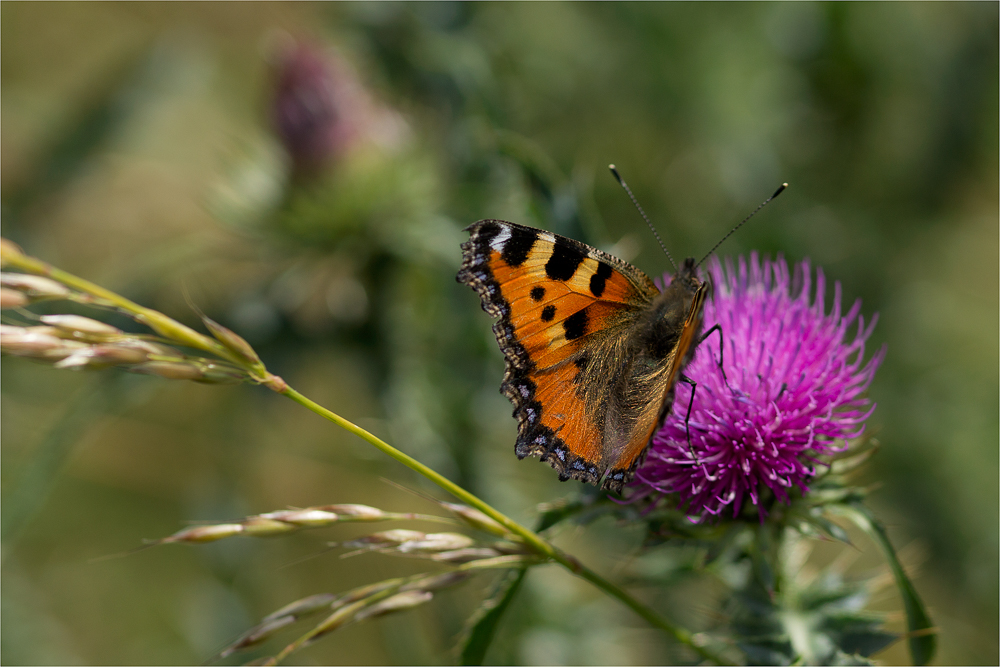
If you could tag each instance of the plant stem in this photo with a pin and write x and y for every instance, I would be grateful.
(539, 544)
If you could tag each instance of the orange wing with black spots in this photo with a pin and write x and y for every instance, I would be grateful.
(570, 320)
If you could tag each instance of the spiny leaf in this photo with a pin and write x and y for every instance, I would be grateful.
(855, 634)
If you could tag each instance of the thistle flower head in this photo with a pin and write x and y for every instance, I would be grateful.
(790, 390)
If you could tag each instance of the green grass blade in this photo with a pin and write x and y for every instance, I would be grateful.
(484, 626)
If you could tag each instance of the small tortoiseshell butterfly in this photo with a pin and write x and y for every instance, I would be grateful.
(593, 348)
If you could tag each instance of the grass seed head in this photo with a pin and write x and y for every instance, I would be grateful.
(259, 526)
(459, 556)
(257, 634)
(337, 619)
(199, 534)
(510, 548)
(79, 326)
(10, 298)
(436, 582)
(303, 518)
(398, 602)
(213, 373)
(169, 369)
(29, 341)
(436, 542)
(101, 356)
(386, 538)
(9, 251)
(115, 353)
(232, 341)
(360, 512)
(303, 607)
(35, 287)
(476, 519)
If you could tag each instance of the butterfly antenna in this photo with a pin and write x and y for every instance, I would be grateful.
(765, 203)
(621, 182)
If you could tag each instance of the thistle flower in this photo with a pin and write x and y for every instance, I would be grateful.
(792, 390)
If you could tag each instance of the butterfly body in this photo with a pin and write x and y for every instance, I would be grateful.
(593, 348)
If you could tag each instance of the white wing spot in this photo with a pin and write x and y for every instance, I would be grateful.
(498, 241)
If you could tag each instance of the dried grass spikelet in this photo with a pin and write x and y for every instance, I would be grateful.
(10, 298)
(34, 280)
(34, 287)
(357, 605)
(464, 555)
(77, 342)
(285, 521)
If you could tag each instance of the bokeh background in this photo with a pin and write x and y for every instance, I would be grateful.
(302, 173)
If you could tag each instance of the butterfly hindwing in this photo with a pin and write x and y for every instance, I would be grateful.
(590, 343)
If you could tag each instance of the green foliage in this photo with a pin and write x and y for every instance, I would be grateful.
(139, 151)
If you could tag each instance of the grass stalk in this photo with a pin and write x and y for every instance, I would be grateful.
(540, 545)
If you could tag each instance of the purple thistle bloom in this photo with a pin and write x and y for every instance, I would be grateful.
(793, 390)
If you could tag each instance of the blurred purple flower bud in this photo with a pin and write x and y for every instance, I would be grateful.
(314, 106)
(321, 110)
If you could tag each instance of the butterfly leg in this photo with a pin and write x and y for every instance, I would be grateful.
(687, 418)
(722, 346)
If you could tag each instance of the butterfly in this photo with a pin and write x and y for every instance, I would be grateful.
(593, 348)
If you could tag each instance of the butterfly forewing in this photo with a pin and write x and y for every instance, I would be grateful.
(572, 325)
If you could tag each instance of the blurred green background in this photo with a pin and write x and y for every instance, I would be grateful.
(141, 150)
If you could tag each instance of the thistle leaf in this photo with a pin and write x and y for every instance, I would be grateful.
(857, 635)
(922, 633)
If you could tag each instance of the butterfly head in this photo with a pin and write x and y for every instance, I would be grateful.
(687, 276)
(684, 285)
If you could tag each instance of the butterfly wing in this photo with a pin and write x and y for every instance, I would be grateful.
(638, 384)
(566, 312)
(685, 347)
